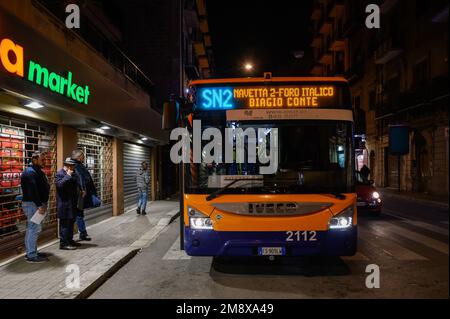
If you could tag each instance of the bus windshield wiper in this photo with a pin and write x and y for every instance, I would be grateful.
(221, 190)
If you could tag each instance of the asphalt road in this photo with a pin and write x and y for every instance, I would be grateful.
(409, 243)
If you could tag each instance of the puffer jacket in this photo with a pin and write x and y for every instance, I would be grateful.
(142, 179)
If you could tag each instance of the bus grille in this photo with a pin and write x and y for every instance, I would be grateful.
(272, 209)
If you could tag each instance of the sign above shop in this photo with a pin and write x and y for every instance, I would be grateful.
(12, 59)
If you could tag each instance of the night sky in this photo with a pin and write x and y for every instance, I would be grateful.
(265, 33)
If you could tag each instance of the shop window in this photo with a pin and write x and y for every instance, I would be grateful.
(98, 159)
(18, 141)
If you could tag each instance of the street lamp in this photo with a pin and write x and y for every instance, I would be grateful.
(248, 66)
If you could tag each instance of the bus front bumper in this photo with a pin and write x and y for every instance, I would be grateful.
(337, 242)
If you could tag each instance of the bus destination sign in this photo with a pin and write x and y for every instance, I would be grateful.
(264, 97)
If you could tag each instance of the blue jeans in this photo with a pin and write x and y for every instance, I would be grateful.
(142, 201)
(81, 226)
(31, 235)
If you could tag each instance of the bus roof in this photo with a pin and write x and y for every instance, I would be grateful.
(274, 79)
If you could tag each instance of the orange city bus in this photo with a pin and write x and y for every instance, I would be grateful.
(307, 205)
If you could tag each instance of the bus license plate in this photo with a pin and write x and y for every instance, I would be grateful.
(271, 251)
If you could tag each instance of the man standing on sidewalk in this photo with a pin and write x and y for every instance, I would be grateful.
(143, 183)
(67, 193)
(88, 190)
(35, 192)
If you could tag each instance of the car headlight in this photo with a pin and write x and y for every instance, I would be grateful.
(375, 195)
(343, 220)
(197, 220)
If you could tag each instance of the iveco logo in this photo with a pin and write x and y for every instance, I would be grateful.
(271, 208)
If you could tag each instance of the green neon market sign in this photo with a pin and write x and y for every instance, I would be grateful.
(39, 74)
(58, 83)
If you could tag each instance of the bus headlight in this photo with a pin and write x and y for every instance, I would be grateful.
(375, 195)
(197, 220)
(343, 220)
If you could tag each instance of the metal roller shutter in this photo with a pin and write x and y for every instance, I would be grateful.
(133, 156)
(19, 138)
(98, 159)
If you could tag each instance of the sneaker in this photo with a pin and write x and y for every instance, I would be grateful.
(85, 238)
(36, 260)
(68, 247)
(138, 211)
(143, 213)
(43, 255)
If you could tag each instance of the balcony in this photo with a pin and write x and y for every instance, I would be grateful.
(326, 57)
(99, 43)
(199, 49)
(326, 26)
(317, 70)
(337, 9)
(337, 42)
(431, 95)
(388, 49)
(201, 8)
(207, 39)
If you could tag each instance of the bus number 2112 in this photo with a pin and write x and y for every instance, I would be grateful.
(301, 236)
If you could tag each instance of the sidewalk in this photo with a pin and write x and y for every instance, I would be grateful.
(115, 241)
(426, 199)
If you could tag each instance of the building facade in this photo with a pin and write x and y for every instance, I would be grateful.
(398, 76)
(170, 40)
(62, 89)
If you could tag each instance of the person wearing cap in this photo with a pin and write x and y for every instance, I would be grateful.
(35, 194)
(67, 192)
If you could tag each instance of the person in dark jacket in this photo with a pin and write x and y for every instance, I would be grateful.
(35, 194)
(87, 188)
(67, 193)
(365, 171)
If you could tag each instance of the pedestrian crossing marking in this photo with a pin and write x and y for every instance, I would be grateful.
(175, 253)
(357, 257)
(420, 224)
(422, 239)
(390, 247)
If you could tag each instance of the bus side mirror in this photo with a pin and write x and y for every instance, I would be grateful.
(169, 117)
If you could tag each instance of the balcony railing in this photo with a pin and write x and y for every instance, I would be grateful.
(96, 40)
(420, 94)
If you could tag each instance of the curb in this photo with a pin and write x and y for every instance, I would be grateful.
(92, 287)
(89, 290)
(414, 199)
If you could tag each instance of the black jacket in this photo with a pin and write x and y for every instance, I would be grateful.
(85, 183)
(67, 192)
(35, 186)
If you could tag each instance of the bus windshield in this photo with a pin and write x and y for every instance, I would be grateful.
(314, 156)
